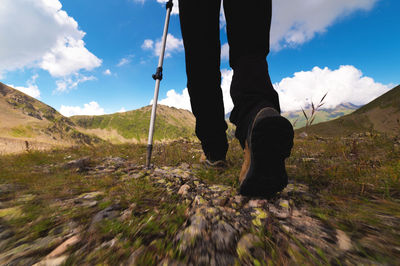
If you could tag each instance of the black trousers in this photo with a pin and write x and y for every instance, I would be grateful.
(248, 28)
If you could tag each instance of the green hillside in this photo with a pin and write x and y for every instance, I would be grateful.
(171, 123)
(27, 123)
(298, 120)
(381, 115)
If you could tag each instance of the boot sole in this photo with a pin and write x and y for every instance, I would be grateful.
(271, 141)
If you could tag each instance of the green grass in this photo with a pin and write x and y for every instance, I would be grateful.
(135, 124)
(22, 131)
(356, 182)
(157, 215)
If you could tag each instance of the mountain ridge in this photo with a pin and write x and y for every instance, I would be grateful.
(322, 115)
(382, 115)
(29, 124)
(171, 123)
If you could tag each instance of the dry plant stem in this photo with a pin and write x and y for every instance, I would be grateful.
(310, 119)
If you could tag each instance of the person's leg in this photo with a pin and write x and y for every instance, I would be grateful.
(266, 136)
(248, 28)
(200, 32)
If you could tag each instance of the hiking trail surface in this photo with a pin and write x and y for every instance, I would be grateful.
(100, 205)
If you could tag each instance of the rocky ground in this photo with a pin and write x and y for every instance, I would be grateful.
(219, 227)
(99, 205)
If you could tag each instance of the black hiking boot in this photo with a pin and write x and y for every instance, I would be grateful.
(269, 141)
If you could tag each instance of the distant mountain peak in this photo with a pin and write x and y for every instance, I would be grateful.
(380, 115)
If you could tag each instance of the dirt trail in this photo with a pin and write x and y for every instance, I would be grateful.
(221, 227)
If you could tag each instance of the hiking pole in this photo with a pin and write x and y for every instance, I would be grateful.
(157, 77)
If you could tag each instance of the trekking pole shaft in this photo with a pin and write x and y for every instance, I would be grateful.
(157, 77)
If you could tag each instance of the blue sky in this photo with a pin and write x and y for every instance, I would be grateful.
(95, 57)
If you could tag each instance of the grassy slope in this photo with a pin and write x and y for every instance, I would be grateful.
(23, 117)
(171, 123)
(380, 115)
(298, 120)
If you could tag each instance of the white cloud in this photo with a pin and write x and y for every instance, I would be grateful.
(31, 89)
(122, 110)
(125, 60)
(346, 84)
(148, 44)
(182, 100)
(177, 100)
(107, 72)
(92, 108)
(71, 82)
(173, 45)
(226, 81)
(41, 34)
(225, 51)
(297, 21)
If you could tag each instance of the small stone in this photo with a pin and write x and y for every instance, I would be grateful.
(257, 203)
(108, 213)
(303, 135)
(91, 195)
(64, 246)
(344, 241)
(80, 164)
(396, 147)
(126, 215)
(137, 175)
(310, 159)
(223, 236)
(198, 200)
(238, 200)
(109, 244)
(279, 212)
(52, 261)
(286, 228)
(188, 236)
(183, 190)
(184, 166)
(220, 201)
(284, 204)
(116, 160)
